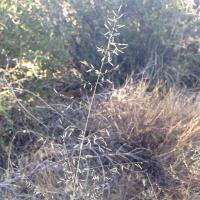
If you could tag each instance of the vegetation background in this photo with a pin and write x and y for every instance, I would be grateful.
(49, 65)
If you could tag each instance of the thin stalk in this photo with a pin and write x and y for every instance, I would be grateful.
(89, 111)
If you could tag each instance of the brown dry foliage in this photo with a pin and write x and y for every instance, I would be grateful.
(161, 131)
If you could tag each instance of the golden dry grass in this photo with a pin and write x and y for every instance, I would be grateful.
(163, 132)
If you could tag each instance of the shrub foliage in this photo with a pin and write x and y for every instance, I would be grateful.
(163, 36)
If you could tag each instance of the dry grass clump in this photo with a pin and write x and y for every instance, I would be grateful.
(154, 137)
(137, 145)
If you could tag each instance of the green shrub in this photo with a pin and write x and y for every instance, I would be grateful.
(162, 36)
